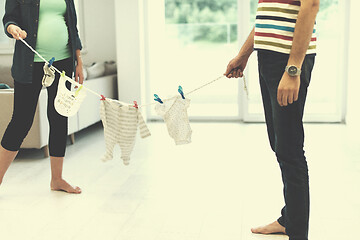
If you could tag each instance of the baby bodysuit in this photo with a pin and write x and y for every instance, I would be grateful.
(121, 122)
(174, 113)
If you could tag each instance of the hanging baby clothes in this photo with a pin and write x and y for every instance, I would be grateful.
(67, 103)
(174, 113)
(120, 122)
(49, 75)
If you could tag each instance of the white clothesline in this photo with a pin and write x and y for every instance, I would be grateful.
(69, 79)
(102, 97)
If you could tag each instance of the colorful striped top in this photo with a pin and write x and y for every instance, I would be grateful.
(275, 25)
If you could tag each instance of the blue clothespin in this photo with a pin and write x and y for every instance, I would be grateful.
(51, 61)
(180, 90)
(158, 99)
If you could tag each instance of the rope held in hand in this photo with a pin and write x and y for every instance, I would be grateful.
(102, 97)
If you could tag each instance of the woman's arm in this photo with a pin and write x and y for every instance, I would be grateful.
(11, 16)
(78, 41)
(79, 75)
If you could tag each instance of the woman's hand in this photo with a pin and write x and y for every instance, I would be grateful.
(79, 75)
(16, 32)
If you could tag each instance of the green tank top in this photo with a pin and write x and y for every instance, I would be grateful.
(52, 36)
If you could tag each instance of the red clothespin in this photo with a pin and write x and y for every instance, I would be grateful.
(135, 105)
(102, 97)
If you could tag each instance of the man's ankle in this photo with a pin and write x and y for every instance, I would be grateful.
(56, 179)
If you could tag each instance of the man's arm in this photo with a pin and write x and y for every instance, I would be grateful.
(303, 31)
(288, 89)
(237, 65)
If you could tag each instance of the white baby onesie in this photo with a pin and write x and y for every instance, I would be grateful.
(120, 122)
(174, 113)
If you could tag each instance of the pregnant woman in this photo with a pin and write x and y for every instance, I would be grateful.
(49, 26)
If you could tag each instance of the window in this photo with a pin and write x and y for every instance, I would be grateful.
(190, 43)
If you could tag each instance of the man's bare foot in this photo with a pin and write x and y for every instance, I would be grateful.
(62, 185)
(271, 228)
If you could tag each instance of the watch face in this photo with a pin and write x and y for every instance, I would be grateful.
(292, 70)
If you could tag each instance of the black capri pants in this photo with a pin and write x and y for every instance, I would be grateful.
(25, 101)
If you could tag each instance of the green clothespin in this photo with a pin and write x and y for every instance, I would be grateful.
(77, 91)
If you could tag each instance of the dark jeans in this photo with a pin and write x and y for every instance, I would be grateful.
(286, 135)
(25, 101)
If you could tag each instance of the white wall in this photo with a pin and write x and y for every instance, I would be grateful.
(99, 30)
(130, 49)
(353, 112)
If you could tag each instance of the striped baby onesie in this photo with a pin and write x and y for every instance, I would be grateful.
(275, 24)
(121, 122)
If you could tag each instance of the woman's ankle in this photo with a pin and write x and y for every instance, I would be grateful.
(6, 158)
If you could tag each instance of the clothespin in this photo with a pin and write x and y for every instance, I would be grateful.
(180, 90)
(63, 73)
(158, 99)
(77, 91)
(135, 105)
(51, 61)
(102, 98)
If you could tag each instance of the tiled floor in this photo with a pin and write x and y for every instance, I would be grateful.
(218, 187)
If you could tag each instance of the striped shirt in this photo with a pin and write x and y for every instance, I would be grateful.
(275, 25)
(121, 122)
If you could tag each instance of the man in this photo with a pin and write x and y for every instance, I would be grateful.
(284, 37)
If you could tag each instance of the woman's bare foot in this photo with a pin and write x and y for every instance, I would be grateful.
(6, 158)
(271, 228)
(62, 185)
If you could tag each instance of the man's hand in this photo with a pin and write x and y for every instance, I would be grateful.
(288, 89)
(236, 66)
(16, 32)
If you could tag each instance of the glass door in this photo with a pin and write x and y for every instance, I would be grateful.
(189, 43)
(326, 94)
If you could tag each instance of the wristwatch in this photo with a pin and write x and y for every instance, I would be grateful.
(293, 70)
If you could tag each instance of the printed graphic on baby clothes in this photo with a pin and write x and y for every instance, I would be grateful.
(174, 113)
(67, 102)
(121, 122)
